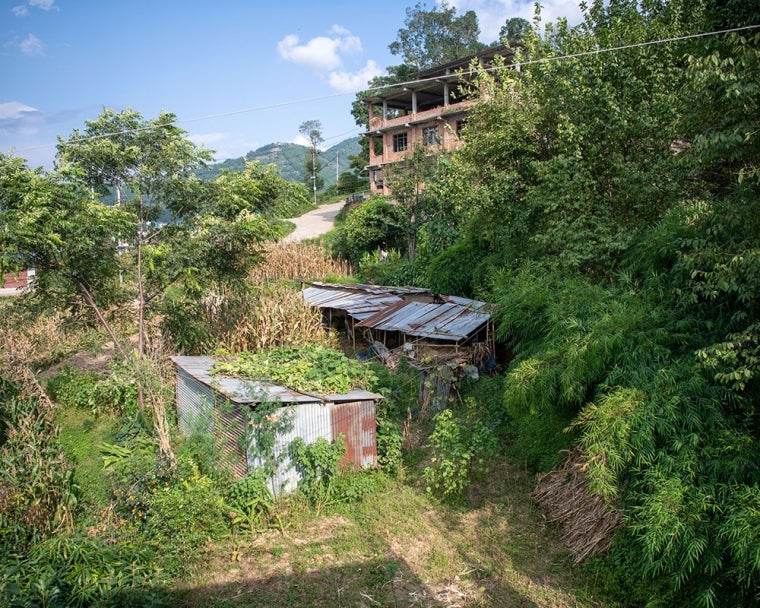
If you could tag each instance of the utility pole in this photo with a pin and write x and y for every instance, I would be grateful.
(314, 173)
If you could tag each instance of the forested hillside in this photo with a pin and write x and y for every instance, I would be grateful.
(289, 160)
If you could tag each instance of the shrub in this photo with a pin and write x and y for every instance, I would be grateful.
(460, 449)
(249, 501)
(37, 495)
(365, 228)
(69, 571)
(318, 466)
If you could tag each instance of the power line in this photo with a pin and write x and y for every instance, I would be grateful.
(411, 82)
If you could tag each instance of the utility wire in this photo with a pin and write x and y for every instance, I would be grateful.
(411, 82)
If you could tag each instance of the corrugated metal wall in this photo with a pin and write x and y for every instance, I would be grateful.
(195, 403)
(310, 421)
(201, 409)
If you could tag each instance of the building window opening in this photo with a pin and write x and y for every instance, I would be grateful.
(430, 136)
(399, 142)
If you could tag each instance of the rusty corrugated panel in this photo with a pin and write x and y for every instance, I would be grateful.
(357, 423)
(448, 321)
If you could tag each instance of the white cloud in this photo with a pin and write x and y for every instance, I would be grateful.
(492, 14)
(347, 82)
(19, 119)
(322, 53)
(22, 10)
(45, 5)
(301, 140)
(15, 110)
(31, 46)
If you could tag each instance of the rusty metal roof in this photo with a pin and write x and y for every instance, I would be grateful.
(242, 391)
(358, 304)
(447, 321)
(388, 309)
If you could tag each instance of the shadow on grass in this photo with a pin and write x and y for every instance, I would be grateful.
(386, 581)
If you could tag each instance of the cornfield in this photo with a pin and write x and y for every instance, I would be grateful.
(279, 316)
(288, 261)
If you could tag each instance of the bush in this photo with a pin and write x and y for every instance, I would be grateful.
(115, 392)
(318, 466)
(365, 228)
(389, 442)
(249, 501)
(67, 571)
(37, 495)
(460, 449)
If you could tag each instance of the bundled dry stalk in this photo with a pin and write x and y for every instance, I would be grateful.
(587, 522)
(290, 261)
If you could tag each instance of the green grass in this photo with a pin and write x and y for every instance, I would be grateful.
(80, 438)
(398, 547)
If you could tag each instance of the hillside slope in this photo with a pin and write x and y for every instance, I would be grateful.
(289, 160)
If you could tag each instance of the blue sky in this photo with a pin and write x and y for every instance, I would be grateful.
(238, 74)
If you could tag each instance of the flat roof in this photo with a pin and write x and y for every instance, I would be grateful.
(243, 391)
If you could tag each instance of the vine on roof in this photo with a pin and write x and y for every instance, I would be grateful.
(312, 369)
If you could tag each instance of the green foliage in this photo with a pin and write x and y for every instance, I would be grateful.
(183, 515)
(115, 393)
(318, 466)
(312, 368)
(389, 444)
(461, 446)
(366, 228)
(453, 271)
(436, 36)
(249, 501)
(36, 482)
(81, 571)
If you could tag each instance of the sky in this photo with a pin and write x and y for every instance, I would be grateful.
(238, 74)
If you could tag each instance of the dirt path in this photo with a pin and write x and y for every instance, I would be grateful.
(314, 223)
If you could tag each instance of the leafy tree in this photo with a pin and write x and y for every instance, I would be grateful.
(436, 36)
(514, 30)
(366, 228)
(408, 179)
(312, 130)
(52, 223)
(349, 182)
(255, 189)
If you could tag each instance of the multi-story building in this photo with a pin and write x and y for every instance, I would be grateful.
(430, 111)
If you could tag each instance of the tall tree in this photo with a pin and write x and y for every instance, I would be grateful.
(436, 36)
(312, 131)
(513, 30)
(408, 181)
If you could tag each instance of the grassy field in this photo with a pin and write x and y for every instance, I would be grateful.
(397, 547)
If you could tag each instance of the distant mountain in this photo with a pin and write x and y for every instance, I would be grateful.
(289, 160)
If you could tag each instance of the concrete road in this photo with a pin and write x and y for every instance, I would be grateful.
(314, 223)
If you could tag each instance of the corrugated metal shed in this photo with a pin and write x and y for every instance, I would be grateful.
(451, 318)
(221, 406)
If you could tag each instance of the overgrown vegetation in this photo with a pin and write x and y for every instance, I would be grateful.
(605, 201)
(309, 368)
